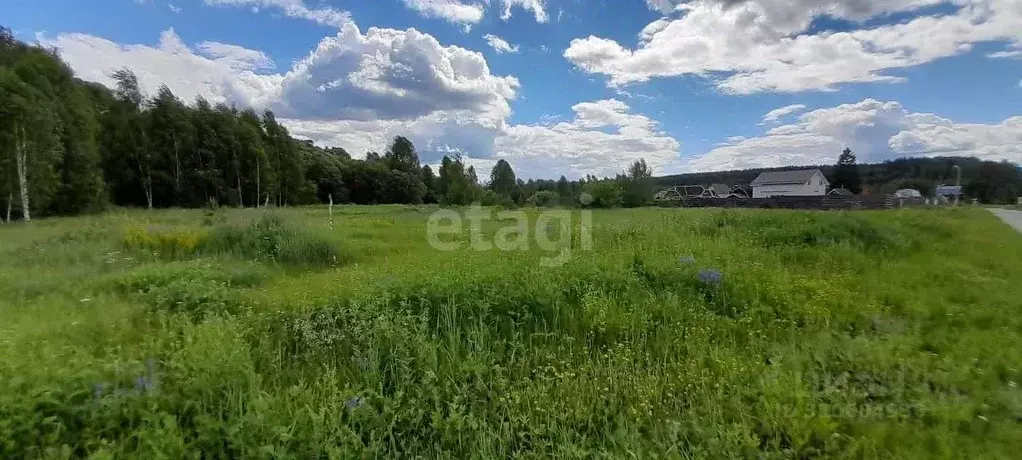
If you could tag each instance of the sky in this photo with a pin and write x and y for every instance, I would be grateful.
(577, 87)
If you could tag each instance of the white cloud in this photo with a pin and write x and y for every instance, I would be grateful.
(292, 8)
(499, 44)
(792, 13)
(774, 115)
(224, 73)
(536, 6)
(604, 139)
(381, 74)
(450, 10)
(392, 74)
(767, 45)
(1012, 52)
(236, 56)
(875, 130)
(663, 6)
(433, 134)
(998, 141)
(173, 9)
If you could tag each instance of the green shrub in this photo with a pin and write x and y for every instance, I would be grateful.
(545, 199)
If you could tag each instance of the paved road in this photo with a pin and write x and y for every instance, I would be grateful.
(1013, 218)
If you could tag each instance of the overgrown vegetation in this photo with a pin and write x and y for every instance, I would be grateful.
(267, 239)
(707, 334)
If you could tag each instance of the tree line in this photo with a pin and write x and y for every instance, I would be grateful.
(69, 146)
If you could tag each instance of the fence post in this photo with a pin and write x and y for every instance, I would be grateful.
(331, 211)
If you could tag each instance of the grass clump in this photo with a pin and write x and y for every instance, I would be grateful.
(165, 243)
(271, 239)
(198, 290)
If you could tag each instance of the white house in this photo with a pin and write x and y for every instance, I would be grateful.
(805, 182)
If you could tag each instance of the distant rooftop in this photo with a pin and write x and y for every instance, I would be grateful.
(800, 176)
(949, 190)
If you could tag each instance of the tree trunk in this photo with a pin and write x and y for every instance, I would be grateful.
(10, 199)
(177, 170)
(146, 177)
(258, 192)
(21, 156)
(237, 175)
(149, 187)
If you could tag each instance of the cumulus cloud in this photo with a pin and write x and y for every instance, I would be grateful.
(381, 74)
(499, 44)
(999, 141)
(327, 16)
(774, 115)
(392, 74)
(451, 10)
(768, 45)
(875, 130)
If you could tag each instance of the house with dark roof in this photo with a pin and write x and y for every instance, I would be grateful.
(803, 182)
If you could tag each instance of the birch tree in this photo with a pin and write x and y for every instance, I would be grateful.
(28, 134)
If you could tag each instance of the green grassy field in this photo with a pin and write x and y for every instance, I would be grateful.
(241, 334)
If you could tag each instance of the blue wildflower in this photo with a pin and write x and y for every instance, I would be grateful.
(354, 403)
(142, 384)
(687, 260)
(711, 277)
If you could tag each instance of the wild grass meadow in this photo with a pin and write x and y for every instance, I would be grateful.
(681, 334)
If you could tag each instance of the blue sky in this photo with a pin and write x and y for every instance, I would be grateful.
(579, 86)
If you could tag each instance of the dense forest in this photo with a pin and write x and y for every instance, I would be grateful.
(68, 147)
(988, 181)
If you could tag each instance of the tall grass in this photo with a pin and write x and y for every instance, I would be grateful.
(708, 334)
(267, 239)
